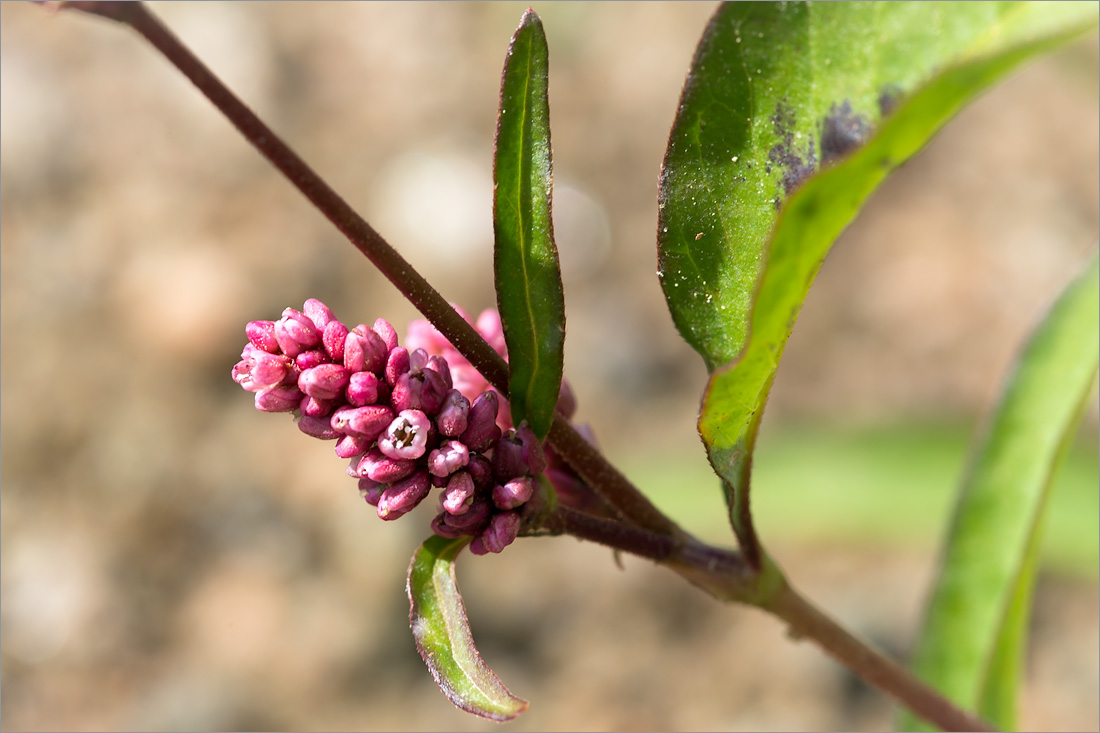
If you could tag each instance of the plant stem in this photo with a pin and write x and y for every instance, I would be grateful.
(877, 670)
(727, 575)
(589, 463)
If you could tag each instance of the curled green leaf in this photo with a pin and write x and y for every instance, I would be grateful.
(525, 260)
(438, 619)
(976, 621)
(783, 133)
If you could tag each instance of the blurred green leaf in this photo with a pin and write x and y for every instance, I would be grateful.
(774, 89)
(528, 278)
(438, 620)
(976, 621)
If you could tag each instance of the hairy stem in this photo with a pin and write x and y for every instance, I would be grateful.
(603, 477)
(877, 670)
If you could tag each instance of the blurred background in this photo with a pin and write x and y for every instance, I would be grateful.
(173, 559)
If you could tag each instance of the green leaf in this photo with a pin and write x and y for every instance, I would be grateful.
(438, 621)
(975, 625)
(525, 261)
(774, 89)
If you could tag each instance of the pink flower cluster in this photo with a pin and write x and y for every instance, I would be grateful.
(405, 419)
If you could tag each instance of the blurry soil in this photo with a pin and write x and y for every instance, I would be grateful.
(174, 560)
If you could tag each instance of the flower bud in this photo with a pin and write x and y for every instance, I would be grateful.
(366, 422)
(313, 407)
(362, 389)
(317, 427)
(481, 471)
(295, 333)
(319, 313)
(419, 389)
(383, 328)
(473, 520)
(396, 364)
(406, 437)
(278, 399)
(325, 382)
(441, 528)
(481, 428)
(383, 469)
(262, 335)
(448, 458)
(459, 494)
(364, 350)
(310, 359)
(439, 365)
(350, 445)
(258, 370)
(403, 496)
(371, 491)
(452, 416)
(533, 455)
(502, 531)
(333, 338)
(508, 458)
(512, 493)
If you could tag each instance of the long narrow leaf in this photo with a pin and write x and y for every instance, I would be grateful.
(438, 620)
(976, 621)
(525, 263)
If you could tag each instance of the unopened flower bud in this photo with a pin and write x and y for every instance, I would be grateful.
(418, 389)
(371, 491)
(397, 364)
(318, 312)
(459, 494)
(448, 458)
(452, 416)
(325, 382)
(366, 422)
(512, 493)
(403, 496)
(474, 519)
(533, 455)
(258, 370)
(313, 407)
(481, 471)
(502, 531)
(383, 328)
(508, 458)
(443, 529)
(439, 365)
(364, 350)
(310, 359)
(333, 338)
(383, 469)
(295, 333)
(481, 427)
(317, 427)
(362, 389)
(262, 335)
(278, 399)
(406, 437)
(350, 445)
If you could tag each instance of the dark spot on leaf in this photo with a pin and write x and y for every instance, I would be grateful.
(888, 98)
(796, 164)
(842, 131)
